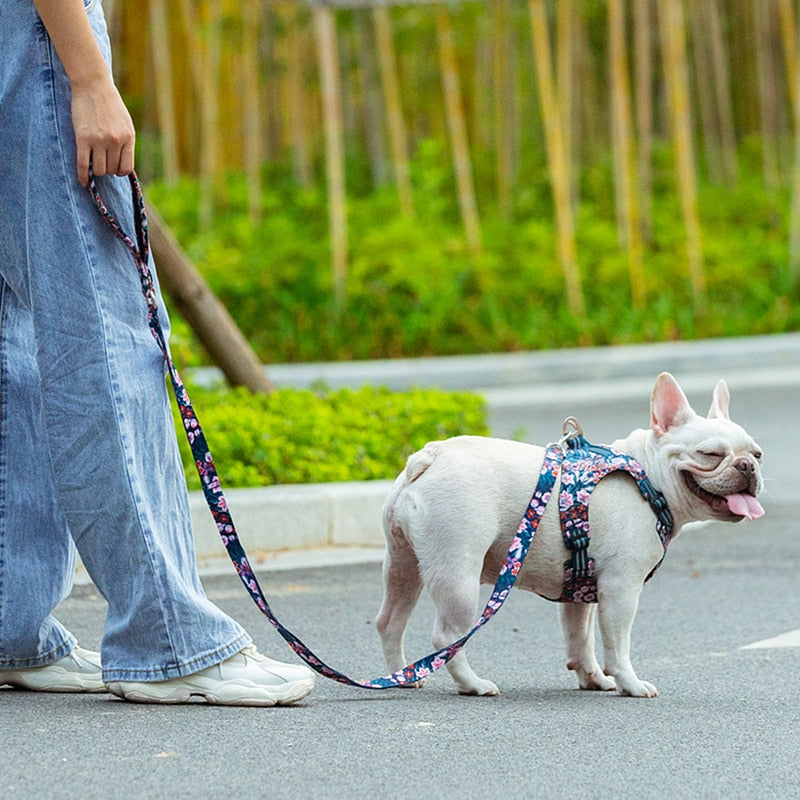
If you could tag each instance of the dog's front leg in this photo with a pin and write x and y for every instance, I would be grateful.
(577, 622)
(617, 610)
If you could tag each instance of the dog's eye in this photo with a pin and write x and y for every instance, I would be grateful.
(711, 454)
(757, 455)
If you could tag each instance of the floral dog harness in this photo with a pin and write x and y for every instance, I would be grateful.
(582, 466)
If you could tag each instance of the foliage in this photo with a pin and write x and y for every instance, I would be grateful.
(413, 289)
(304, 436)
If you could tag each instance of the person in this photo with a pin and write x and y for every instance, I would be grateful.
(88, 452)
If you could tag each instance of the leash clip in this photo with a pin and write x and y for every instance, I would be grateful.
(570, 431)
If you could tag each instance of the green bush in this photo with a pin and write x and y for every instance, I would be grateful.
(303, 436)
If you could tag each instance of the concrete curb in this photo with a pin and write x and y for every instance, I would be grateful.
(302, 517)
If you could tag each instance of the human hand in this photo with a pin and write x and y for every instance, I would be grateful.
(104, 132)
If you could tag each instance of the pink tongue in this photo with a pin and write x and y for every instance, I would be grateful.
(745, 505)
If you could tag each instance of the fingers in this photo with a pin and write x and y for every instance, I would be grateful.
(116, 160)
(84, 162)
(104, 134)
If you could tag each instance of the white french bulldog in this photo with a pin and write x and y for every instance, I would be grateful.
(452, 513)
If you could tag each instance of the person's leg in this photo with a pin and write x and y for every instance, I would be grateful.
(33, 531)
(106, 414)
(110, 429)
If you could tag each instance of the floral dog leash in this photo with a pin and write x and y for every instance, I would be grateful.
(217, 504)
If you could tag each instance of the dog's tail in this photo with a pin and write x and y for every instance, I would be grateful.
(396, 508)
(419, 462)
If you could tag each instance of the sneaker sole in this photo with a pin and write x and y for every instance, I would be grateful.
(234, 694)
(88, 687)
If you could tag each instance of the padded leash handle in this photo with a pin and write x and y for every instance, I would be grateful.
(212, 490)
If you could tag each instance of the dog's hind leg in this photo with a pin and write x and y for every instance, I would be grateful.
(402, 586)
(577, 622)
(456, 597)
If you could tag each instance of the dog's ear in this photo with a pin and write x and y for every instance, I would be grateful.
(669, 407)
(720, 405)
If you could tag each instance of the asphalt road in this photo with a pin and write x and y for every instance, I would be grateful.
(725, 725)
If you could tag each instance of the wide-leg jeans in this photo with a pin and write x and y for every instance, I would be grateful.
(88, 453)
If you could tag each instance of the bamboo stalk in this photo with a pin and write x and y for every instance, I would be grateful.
(767, 102)
(165, 101)
(704, 78)
(252, 106)
(565, 35)
(642, 19)
(722, 83)
(325, 28)
(557, 157)
(371, 97)
(790, 34)
(297, 102)
(457, 130)
(673, 49)
(589, 121)
(624, 150)
(502, 105)
(209, 112)
(195, 54)
(788, 25)
(398, 138)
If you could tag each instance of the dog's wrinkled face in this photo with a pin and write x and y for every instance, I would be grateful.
(714, 463)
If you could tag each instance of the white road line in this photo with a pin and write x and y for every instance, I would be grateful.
(790, 639)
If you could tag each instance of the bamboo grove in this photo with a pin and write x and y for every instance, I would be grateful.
(334, 92)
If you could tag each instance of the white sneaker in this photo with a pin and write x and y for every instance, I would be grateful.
(79, 671)
(245, 679)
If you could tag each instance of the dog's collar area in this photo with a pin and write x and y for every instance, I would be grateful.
(583, 466)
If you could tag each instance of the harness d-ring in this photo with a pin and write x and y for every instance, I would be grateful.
(570, 431)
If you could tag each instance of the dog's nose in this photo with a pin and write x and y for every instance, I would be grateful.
(745, 465)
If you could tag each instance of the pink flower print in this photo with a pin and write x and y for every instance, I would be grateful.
(438, 662)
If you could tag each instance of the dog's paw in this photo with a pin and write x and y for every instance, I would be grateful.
(596, 682)
(638, 689)
(592, 680)
(415, 685)
(481, 688)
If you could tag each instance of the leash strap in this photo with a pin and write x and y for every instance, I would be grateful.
(212, 490)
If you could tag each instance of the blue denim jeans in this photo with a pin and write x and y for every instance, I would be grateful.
(88, 454)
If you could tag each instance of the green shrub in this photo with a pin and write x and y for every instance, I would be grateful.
(303, 436)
